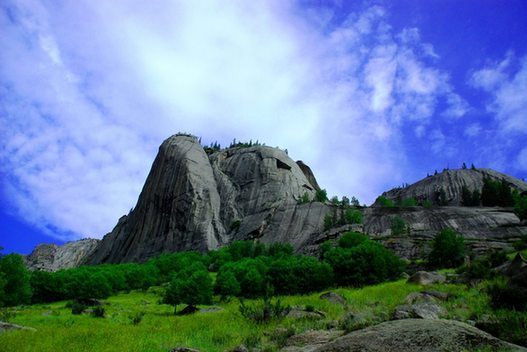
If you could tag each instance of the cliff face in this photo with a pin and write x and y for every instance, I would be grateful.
(195, 201)
(50, 257)
(451, 181)
(484, 228)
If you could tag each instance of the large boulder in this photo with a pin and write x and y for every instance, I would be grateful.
(426, 278)
(416, 335)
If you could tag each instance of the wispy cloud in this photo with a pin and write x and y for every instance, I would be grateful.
(90, 89)
(506, 82)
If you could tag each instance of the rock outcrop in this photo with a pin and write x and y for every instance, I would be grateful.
(451, 182)
(50, 257)
(484, 228)
(416, 335)
(195, 201)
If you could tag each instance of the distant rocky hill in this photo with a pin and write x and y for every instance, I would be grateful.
(198, 201)
(451, 183)
(51, 257)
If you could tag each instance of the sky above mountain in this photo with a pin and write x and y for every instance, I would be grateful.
(370, 94)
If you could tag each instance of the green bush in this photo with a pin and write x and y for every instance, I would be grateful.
(503, 294)
(304, 199)
(321, 196)
(78, 307)
(366, 263)
(226, 284)
(520, 207)
(98, 312)
(136, 318)
(521, 244)
(398, 226)
(384, 202)
(448, 249)
(191, 286)
(329, 222)
(299, 275)
(14, 281)
(409, 202)
(264, 311)
(353, 216)
(352, 239)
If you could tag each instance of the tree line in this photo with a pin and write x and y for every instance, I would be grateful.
(243, 269)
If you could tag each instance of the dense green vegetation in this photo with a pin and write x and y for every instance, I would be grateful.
(244, 269)
(448, 249)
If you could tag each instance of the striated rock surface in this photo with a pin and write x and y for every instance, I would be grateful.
(484, 228)
(451, 181)
(50, 257)
(195, 201)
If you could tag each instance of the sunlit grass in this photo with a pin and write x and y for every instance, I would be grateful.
(160, 330)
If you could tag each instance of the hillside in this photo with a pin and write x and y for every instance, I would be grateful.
(451, 182)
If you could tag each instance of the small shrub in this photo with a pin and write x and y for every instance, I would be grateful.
(304, 199)
(77, 307)
(504, 295)
(98, 312)
(309, 308)
(328, 222)
(137, 318)
(235, 225)
(409, 202)
(496, 258)
(398, 226)
(264, 311)
(352, 239)
(353, 216)
(321, 196)
(6, 314)
(448, 249)
(384, 202)
(427, 204)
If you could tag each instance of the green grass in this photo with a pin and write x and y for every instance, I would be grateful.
(160, 330)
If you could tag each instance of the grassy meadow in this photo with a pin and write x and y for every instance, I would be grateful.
(219, 329)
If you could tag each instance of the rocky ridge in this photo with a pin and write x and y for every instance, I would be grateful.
(451, 182)
(50, 257)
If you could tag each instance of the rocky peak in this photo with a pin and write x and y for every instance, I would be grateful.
(451, 182)
(197, 201)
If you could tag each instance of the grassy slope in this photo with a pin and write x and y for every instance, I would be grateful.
(160, 330)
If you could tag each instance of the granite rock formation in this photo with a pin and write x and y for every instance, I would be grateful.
(451, 181)
(50, 257)
(198, 201)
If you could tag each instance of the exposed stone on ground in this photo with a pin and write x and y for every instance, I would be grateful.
(313, 337)
(334, 298)
(426, 278)
(423, 310)
(4, 326)
(301, 313)
(351, 321)
(50, 257)
(210, 309)
(416, 335)
(452, 182)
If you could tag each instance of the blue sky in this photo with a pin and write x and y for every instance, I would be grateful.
(370, 94)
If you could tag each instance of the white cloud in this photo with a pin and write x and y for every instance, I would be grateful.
(90, 89)
(506, 82)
